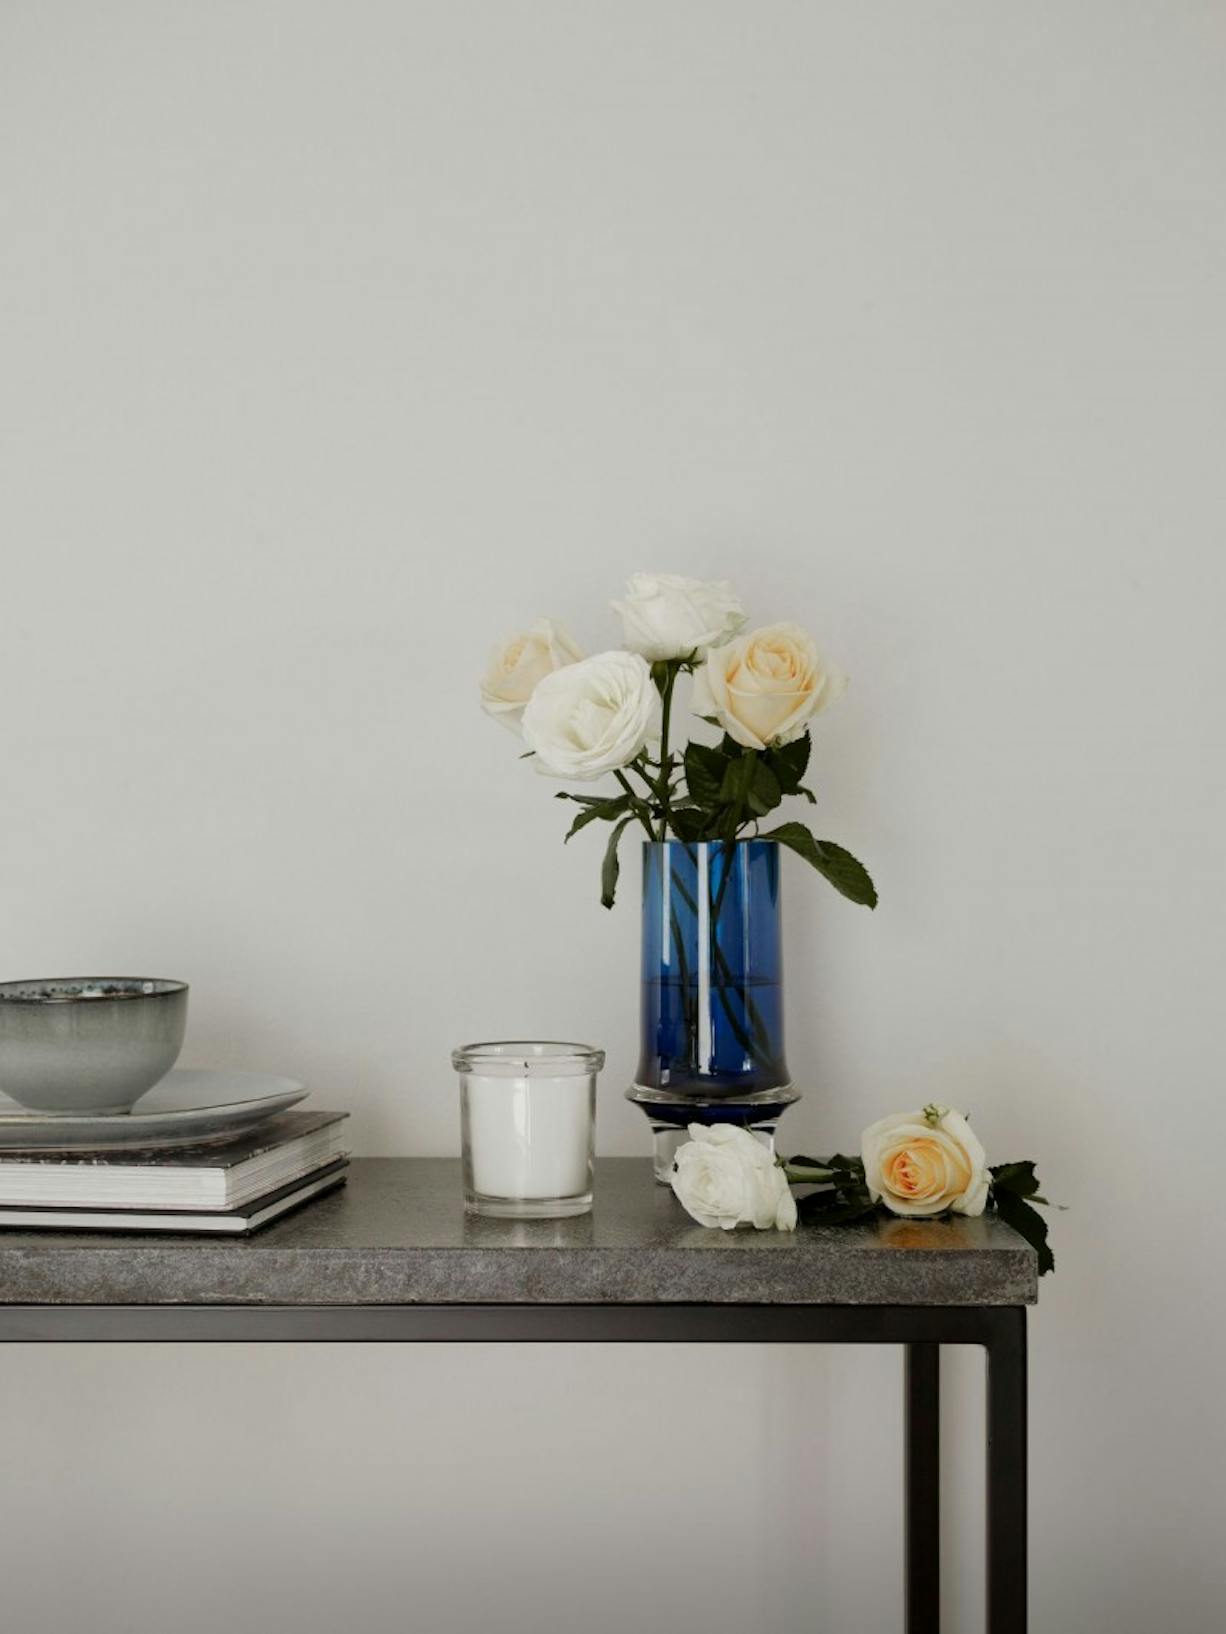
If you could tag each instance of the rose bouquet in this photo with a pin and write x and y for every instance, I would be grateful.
(921, 1164)
(612, 714)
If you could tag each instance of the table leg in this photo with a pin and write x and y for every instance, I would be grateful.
(923, 1485)
(1006, 1347)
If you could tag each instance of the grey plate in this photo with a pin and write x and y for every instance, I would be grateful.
(188, 1106)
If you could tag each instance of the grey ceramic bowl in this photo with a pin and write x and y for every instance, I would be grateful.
(88, 1043)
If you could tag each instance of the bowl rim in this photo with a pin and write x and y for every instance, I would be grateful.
(165, 987)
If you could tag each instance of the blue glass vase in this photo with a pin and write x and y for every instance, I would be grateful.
(712, 969)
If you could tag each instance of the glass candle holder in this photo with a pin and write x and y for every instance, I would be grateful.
(528, 1120)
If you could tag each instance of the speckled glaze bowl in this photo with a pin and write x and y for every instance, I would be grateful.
(88, 1043)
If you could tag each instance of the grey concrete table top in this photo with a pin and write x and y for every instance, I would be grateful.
(398, 1234)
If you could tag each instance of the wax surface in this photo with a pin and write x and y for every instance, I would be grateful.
(531, 1137)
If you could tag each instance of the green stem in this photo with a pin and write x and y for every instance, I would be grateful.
(752, 1042)
(662, 788)
(636, 804)
(718, 905)
(689, 1004)
(640, 766)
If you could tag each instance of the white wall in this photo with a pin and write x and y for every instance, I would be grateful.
(335, 341)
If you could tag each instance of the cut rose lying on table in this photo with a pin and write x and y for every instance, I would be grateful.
(924, 1163)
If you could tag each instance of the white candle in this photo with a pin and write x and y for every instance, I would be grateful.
(528, 1113)
(530, 1136)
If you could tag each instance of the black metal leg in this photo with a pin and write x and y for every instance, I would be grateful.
(922, 1329)
(1006, 1348)
(923, 1483)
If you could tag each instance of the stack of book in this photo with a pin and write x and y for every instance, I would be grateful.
(233, 1186)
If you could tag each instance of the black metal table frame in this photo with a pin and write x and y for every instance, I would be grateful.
(923, 1329)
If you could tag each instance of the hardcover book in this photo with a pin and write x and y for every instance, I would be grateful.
(232, 1222)
(224, 1176)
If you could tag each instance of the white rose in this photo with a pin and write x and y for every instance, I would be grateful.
(925, 1163)
(725, 1176)
(517, 665)
(666, 616)
(592, 717)
(766, 686)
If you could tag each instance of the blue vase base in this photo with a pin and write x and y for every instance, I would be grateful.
(762, 1106)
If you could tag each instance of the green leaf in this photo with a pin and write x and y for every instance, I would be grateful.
(605, 812)
(738, 779)
(688, 823)
(730, 748)
(1017, 1212)
(802, 1162)
(611, 867)
(764, 791)
(789, 763)
(849, 877)
(704, 771)
(591, 815)
(807, 1171)
(831, 1208)
(1019, 1178)
(847, 1173)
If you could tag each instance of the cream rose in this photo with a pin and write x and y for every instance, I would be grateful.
(667, 616)
(925, 1163)
(724, 1177)
(592, 717)
(766, 686)
(517, 665)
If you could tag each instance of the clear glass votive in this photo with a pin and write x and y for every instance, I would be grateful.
(528, 1122)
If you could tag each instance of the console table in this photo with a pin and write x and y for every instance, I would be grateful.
(394, 1257)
